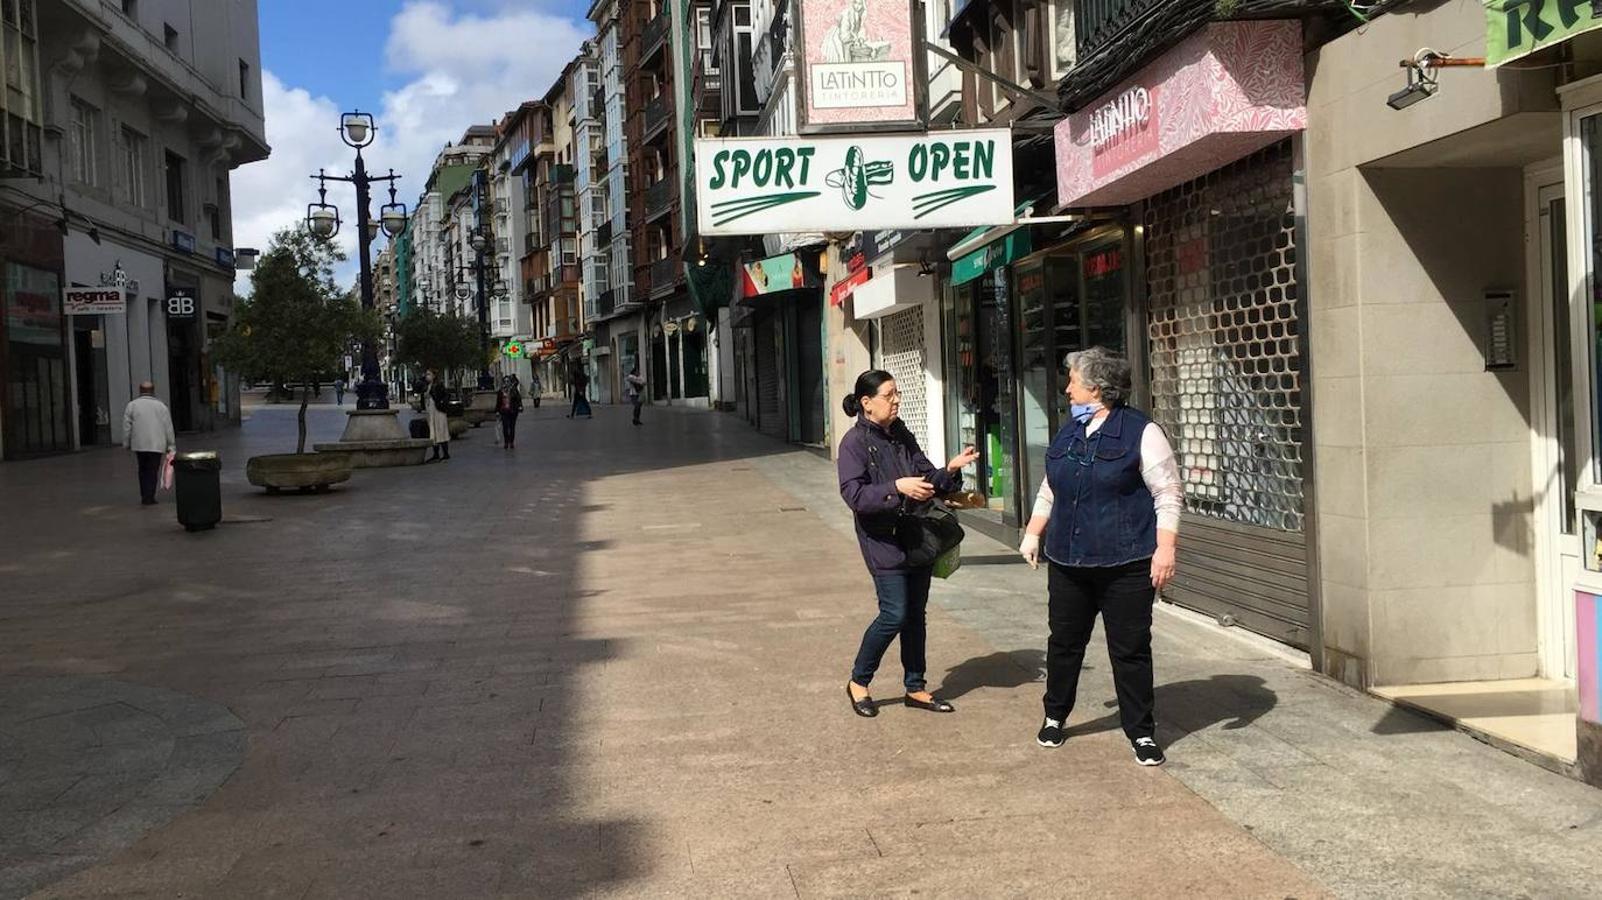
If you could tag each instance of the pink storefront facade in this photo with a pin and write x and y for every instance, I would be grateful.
(1198, 152)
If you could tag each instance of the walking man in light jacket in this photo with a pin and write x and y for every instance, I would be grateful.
(147, 431)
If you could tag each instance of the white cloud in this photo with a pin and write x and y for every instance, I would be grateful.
(460, 69)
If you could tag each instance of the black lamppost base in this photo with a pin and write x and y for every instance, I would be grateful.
(372, 395)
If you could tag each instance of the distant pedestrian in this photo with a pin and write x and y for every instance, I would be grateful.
(339, 391)
(1109, 550)
(147, 431)
(509, 405)
(439, 424)
(536, 389)
(580, 380)
(635, 391)
(884, 474)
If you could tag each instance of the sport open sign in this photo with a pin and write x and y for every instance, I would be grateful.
(854, 182)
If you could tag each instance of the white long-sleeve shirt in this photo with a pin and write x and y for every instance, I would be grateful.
(147, 426)
(1158, 468)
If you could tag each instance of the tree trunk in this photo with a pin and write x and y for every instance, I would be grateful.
(305, 398)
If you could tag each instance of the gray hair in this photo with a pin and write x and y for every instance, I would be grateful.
(1106, 369)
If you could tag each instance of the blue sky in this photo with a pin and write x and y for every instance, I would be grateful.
(427, 69)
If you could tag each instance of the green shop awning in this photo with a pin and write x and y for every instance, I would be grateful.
(1014, 244)
(994, 255)
(1517, 28)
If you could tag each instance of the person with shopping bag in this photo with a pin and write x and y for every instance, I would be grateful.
(147, 431)
(888, 482)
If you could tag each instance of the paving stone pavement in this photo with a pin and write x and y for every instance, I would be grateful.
(610, 663)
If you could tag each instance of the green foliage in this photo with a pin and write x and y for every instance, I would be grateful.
(446, 343)
(296, 324)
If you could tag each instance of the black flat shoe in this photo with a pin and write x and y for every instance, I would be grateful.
(863, 707)
(935, 705)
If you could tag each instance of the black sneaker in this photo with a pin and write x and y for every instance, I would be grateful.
(1147, 753)
(1050, 734)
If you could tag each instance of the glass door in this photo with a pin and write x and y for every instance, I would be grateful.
(1557, 451)
(1035, 379)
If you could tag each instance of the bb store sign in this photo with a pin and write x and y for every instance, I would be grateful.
(951, 179)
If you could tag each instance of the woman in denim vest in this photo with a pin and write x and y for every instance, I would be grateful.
(1108, 514)
(882, 471)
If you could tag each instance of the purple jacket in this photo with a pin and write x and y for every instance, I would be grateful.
(870, 490)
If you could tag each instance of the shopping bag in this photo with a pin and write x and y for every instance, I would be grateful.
(947, 563)
(166, 472)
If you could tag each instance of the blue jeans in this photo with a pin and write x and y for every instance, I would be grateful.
(903, 602)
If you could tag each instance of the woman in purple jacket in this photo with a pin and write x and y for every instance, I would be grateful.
(882, 472)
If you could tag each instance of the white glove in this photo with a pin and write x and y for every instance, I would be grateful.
(1030, 550)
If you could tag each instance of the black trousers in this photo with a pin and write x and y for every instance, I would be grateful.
(149, 474)
(508, 428)
(1123, 595)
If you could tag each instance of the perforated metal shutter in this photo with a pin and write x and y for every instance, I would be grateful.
(901, 354)
(1224, 330)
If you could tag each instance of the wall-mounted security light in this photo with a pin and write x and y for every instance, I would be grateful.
(1421, 77)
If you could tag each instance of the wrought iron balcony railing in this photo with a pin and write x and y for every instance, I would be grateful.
(1098, 23)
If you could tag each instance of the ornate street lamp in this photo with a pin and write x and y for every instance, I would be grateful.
(357, 130)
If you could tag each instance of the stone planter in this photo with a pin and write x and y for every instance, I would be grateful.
(459, 427)
(373, 439)
(302, 472)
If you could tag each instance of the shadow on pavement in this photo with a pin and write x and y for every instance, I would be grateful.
(405, 654)
(1190, 706)
(1003, 670)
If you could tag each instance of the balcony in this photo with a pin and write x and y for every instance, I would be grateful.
(657, 113)
(651, 37)
(664, 275)
(1098, 23)
(659, 198)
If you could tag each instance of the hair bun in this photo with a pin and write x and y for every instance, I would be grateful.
(851, 405)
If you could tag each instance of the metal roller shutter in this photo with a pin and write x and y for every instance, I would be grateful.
(1223, 326)
(771, 419)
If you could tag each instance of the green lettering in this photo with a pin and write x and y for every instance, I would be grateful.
(939, 158)
(719, 178)
(918, 162)
(984, 160)
(960, 169)
(783, 160)
(763, 170)
(806, 162)
(742, 166)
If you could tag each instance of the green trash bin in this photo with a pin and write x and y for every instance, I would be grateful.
(197, 484)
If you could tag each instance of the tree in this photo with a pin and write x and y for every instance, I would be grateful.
(440, 341)
(296, 324)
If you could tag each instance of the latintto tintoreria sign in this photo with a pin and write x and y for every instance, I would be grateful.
(948, 179)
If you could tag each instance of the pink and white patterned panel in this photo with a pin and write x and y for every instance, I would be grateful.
(1228, 90)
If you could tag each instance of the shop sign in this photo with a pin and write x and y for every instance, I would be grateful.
(774, 274)
(947, 179)
(843, 288)
(1517, 28)
(33, 313)
(225, 257)
(858, 64)
(1225, 92)
(183, 241)
(93, 301)
(993, 255)
(181, 303)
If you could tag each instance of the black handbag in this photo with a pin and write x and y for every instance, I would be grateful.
(925, 531)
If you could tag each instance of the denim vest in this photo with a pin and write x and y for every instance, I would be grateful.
(1102, 513)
